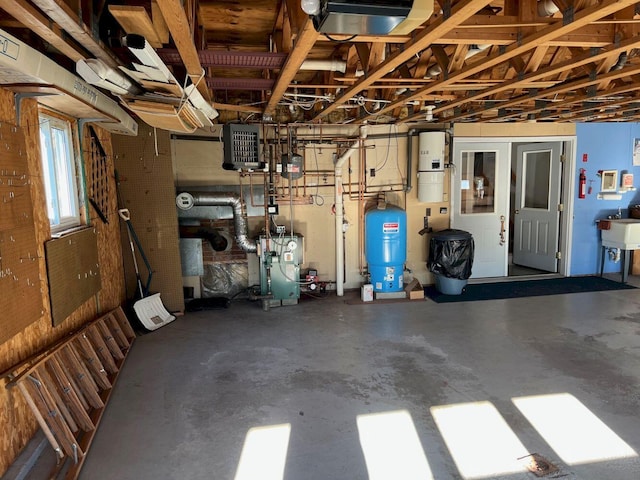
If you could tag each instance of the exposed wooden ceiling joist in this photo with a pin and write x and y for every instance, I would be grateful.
(555, 30)
(459, 13)
(25, 13)
(178, 25)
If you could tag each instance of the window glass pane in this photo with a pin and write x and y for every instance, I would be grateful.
(537, 167)
(59, 173)
(478, 182)
(48, 171)
(65, 173)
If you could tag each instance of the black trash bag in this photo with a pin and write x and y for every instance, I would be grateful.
(451, 254)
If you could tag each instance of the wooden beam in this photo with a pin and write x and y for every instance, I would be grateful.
(584, 17)
(553, 69)
(237, 108)
(176, 19)
(459, 13)
(568, 87)
(41, 26)
(305, 41)
(159, 25)
(135, 19)
(68, 20)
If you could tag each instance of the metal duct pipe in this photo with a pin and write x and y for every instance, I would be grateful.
(187, 200)
(547, 8)
(338, 190)
(410, 133)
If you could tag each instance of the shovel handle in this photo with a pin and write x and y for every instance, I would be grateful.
(124, 214)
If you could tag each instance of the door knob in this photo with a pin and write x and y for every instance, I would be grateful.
(517, 212)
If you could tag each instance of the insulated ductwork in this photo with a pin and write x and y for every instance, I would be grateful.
(187, 200)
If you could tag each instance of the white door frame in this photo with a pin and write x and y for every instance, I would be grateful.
(568, 186)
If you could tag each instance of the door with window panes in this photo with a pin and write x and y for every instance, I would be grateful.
(480, 202)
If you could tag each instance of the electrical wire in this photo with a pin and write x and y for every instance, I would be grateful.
(346, 40)
(386, 158)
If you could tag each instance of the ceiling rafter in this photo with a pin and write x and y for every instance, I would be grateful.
(582, 18)
(459, 13)
(69, 21)
(25, 13)
(567, 87)
(176, 19)
(305, 40)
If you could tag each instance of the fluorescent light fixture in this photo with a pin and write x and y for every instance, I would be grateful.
(264, 453)
(391, 447)
(572, 430)
(480, 441)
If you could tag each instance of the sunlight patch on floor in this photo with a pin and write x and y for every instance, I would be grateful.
(572, 430)
(391, 446)
(264, 453)
(480, 441)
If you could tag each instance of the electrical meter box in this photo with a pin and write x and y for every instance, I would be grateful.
(280, 259)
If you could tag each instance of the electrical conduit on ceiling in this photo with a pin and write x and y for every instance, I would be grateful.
(338, 190)
(187, 200)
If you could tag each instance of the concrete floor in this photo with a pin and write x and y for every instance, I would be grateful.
(191, 391)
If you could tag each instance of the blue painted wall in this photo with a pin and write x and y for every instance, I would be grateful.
(608, 146)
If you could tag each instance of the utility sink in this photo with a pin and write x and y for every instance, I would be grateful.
(623, 233)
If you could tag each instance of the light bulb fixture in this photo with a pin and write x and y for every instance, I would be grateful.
(310, 7)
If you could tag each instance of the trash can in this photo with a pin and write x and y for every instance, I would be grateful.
(450, 260)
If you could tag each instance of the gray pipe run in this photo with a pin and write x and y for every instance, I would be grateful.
(224, 199)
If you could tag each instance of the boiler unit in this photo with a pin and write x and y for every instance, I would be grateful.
(386, 247)
(431, 167)
(280, 258)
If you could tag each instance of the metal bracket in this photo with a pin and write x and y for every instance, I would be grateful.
(568, 15)
(18, 100)
(446, 9)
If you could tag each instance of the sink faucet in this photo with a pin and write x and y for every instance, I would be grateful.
(617, 215)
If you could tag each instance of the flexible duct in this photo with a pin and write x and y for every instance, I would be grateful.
(340, 209)
(187, 200)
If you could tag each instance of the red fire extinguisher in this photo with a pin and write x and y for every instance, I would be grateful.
(583, 184)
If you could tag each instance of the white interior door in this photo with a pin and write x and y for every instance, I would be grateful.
(536, 219)
(480, 201)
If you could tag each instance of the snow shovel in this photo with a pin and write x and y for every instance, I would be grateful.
(149, 309)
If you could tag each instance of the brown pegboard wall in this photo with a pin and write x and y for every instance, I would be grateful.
(20, 282)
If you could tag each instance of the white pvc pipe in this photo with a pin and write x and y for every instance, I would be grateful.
(340, 210)
(332, 65)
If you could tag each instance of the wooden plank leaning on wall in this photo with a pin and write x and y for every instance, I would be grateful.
(17, 424)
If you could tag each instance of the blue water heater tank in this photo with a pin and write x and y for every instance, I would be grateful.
(386, 247)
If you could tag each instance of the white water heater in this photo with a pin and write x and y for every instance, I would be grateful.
(431, 167)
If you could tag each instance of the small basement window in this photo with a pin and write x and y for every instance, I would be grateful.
(60, 172)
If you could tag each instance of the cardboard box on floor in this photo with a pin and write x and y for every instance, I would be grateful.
(414, 290)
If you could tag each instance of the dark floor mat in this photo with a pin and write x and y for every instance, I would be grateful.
(527, 288)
